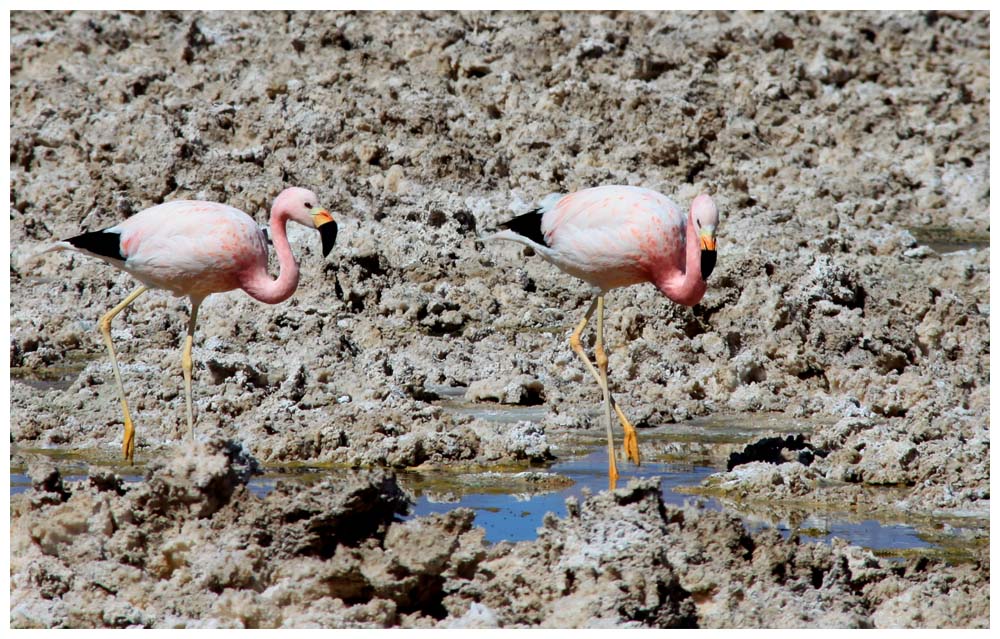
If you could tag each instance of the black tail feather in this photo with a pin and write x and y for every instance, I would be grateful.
(103, 243)
(529, 225)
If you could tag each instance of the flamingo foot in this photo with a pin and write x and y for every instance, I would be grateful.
(631, 443)
(128, 441)
(612, 469)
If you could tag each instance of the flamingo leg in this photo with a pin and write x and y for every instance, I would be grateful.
(577, 346)
(187, 367)
(602, 366)
(128, 441)
(631, 443)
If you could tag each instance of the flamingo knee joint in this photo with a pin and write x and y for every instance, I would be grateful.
(574, 342)
(601, 358)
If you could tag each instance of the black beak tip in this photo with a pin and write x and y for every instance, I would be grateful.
(707, 263)
(328, 232)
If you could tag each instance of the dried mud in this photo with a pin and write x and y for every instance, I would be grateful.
(191, 547)
(830, 142)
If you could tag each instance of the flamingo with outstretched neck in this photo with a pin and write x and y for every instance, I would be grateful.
(613, 236)
(194, 248)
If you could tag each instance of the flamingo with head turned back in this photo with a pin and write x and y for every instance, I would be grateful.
(196, 248)
(613, 236)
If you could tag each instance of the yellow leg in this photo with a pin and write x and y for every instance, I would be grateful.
(186, 365)
(631, 444)
(577, 346)
(128, 442)
(602, 366)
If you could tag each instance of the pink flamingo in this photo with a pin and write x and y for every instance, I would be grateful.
(197, 248)
(612, 236)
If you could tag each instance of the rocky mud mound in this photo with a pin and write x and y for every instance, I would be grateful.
(191, 546)
(830, 141)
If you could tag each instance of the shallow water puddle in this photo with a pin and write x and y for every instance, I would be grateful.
(681, 454)
(20, 482)
(511, 505)
(867, 533)
(516, 516)
(947, 240)
(49, 378)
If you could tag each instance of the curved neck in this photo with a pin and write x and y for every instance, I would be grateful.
(686, 286)
(262, 287)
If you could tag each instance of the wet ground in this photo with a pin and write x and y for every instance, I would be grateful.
(945, 240)
(510, 505)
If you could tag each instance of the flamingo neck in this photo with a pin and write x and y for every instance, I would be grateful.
(685, 284)
(262, 287)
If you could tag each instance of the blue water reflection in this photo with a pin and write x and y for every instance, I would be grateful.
(517, 517)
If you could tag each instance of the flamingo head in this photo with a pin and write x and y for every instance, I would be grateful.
(302, 206)
(705, 217)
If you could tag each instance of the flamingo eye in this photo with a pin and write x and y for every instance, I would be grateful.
(309, 205)
(698, 222)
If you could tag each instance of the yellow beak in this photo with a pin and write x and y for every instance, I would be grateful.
(327, 229)
(707, 243)
(322, 217)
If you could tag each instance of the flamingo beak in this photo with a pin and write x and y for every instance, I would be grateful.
(708, 255)
(327, 229)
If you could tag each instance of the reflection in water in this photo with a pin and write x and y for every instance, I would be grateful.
(511, 506)
(868, 533)
(515, 517)
(20, 482)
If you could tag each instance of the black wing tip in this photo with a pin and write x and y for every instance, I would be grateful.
(104, 243)
(529, 225)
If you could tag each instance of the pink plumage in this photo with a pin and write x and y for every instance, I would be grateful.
(197, 248)
(191, 248)
(614, 236)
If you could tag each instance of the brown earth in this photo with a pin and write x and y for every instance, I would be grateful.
(191, 546)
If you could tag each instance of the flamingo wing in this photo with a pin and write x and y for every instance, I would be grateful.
(191, 248)
(614, 235)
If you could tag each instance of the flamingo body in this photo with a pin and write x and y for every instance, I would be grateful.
(190, 247)
(615, 236)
